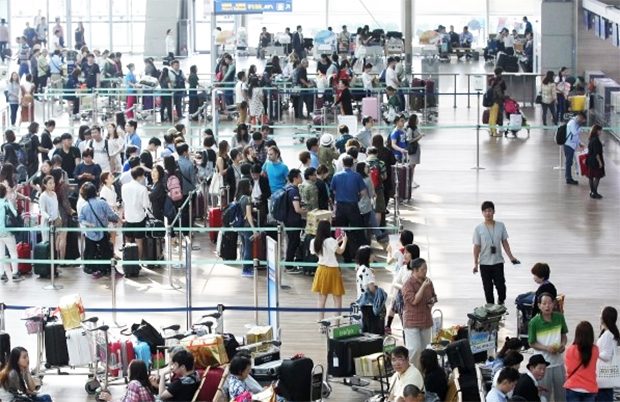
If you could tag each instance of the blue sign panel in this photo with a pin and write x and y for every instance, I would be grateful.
(253, 6)
(272, 283)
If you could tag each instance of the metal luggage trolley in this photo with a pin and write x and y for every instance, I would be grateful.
(384, 372)
(99, 378)
(482, 333)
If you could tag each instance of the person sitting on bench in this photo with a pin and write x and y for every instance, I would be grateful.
(466, 39)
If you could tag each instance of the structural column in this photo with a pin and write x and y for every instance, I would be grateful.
(408, 20)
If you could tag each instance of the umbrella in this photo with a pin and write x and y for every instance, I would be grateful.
(429, 37)
(474, 25)
(325, 38)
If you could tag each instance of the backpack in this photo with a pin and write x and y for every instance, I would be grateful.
(174, 188)
(375, 174)
(561, 134)
(487, 98)
(382, 76)
(279, 205)
(179, 81)
(25, 149)
(105, 146)
(232, 215)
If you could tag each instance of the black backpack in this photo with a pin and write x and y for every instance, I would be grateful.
(561, 134)
(487, 98)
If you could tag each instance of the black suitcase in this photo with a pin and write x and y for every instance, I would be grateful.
(42, 252)
(267, 372)
(153, 223)
(131, 253)
(341, 352)
(56, 353)
(509, 64)
(153, 251)
(296, 379)
(459, 355)
(306, 256)
(228, 249)
(5, 348)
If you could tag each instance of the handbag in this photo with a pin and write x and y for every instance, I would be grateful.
(538, 99)
(145, 332)
(412, 147)
(608, 373)
(216, 183)
(12, 220)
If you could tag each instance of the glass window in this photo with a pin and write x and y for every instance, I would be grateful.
(99, 33)
(309, 14)
(120, 36)
(384, 14)
(497, 23)
(447, 7)
(475, 23)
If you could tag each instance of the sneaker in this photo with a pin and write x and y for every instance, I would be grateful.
(17, 277)
(247, 274)
(415, 185)
(295, 271)
(572, 181)
(4, 278)
(388, 331)
(97, 275)
(118, 274)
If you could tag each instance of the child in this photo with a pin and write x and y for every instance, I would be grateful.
(365, 281)
(406, 238)
(411, 252)
(328, 279)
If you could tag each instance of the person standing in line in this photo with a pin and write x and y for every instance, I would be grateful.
(509, 42)
(549, 95)
(498, 86)
(419, 297)
(295, 218)
(58, 29)
(79, 36)
(607, 344)
(573, 143)
(297, 43)
(7, 239)
(13, 94)
(328, 278)
(413, 137)
(595, 161)
(580, 360)
(178, 81)
(489, 238)
(170, 45)
(24, 57)
(546, 334)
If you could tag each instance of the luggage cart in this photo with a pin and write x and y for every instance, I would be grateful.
(100, 378)
(482, 335)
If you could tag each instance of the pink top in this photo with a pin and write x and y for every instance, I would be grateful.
(583, 378)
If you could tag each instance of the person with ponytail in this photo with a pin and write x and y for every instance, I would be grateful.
(15, 378)
(580, 360)
(607, 343)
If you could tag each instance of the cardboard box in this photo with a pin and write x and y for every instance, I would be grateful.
(314, 217)
(369, 366)
(259, 334)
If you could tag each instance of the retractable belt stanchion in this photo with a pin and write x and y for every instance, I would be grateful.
(169, 255)
(477, 167)
(560, 165)
(191, 219)
(279, 258)
(188, 282)
(113, 287)
(53, 285)
(255, 290)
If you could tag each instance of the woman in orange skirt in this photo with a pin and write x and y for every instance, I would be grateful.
(328, 279)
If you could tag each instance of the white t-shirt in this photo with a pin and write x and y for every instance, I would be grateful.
(239, 88)
(399, 257)
(136, 201)
(109, 195)
(367, 80)
(328, 254)
(391, 78)
(363, 278)
(509, 41)
(101, 155)
(169, 44)
(400, 278)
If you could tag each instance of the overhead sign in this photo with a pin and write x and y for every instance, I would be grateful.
(253, 6)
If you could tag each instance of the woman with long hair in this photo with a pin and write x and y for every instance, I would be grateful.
(580, 360)
(435, 379)
(139, 388)
(365, 282)
(157, 192)
(116, 145)
(27, 103)
(13, 94)
(131, 83)
(244, 199)
(65, 210)
(165, 108)
(7, 239)
(562, 89)
(595, 161)
(15, 378)
(413, 137)
(7, 177)
(549, 96)
(410, 253)
(607, 343)
(328, 278)
(222, 163)
(257, 109)
(241, 137)
(194, 102)
(107, 192)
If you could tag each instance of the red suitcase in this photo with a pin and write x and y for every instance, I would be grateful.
(215, 221)
(24, 252)
(260, 247)
(209, 387)
(115, 361)
(404, 172)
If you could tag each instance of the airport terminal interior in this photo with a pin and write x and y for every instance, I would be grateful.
(521, 169)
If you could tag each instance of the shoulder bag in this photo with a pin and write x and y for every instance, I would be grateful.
(608, 373)
(12, 220)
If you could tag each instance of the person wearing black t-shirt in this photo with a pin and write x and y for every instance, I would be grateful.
(92, 73)
(70, 155)
(186, 380)
(344, 98)
(46, 139)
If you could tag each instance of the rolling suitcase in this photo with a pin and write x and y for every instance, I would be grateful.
(24, 252)
(342, 352)
(228, 247)
(131, 253)
(260, 247)
(404, 173)
(127, 355)
(153, 251)
(485, 116)
(115, 363)
(142, 351)
(42, 252)
(56, 353)
(198, 206)
(5, 348)
(215, 221)
(79, 348)
(431, 100)
(370, 107)
(296, 378)
(306, 256)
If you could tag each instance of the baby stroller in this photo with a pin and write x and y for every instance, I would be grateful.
(516, 118)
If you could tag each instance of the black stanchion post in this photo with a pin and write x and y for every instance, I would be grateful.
(455, 90)
(188, 282)
(479, 86)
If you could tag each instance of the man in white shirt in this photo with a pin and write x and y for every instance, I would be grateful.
(136, 202)
(391, 80)
(100, 148)
(405, 374)
(509, 42)
(241, 97)
(506, 382)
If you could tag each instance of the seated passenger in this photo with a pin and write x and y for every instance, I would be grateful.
(405, 374)
(186, 383)
(139, 389)
(15, 378)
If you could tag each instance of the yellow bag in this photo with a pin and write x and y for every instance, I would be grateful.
(259, 334)
(71, 311)
(208, 350)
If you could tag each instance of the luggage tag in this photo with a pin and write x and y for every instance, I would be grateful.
(335, 361)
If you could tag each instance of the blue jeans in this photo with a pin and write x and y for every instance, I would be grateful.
(246, 253)
(371, 221)
(42, 398)
(569, 153)
(605, 395)
(572, 396)
(23, 69)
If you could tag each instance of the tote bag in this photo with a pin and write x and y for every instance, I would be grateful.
(608, 373)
